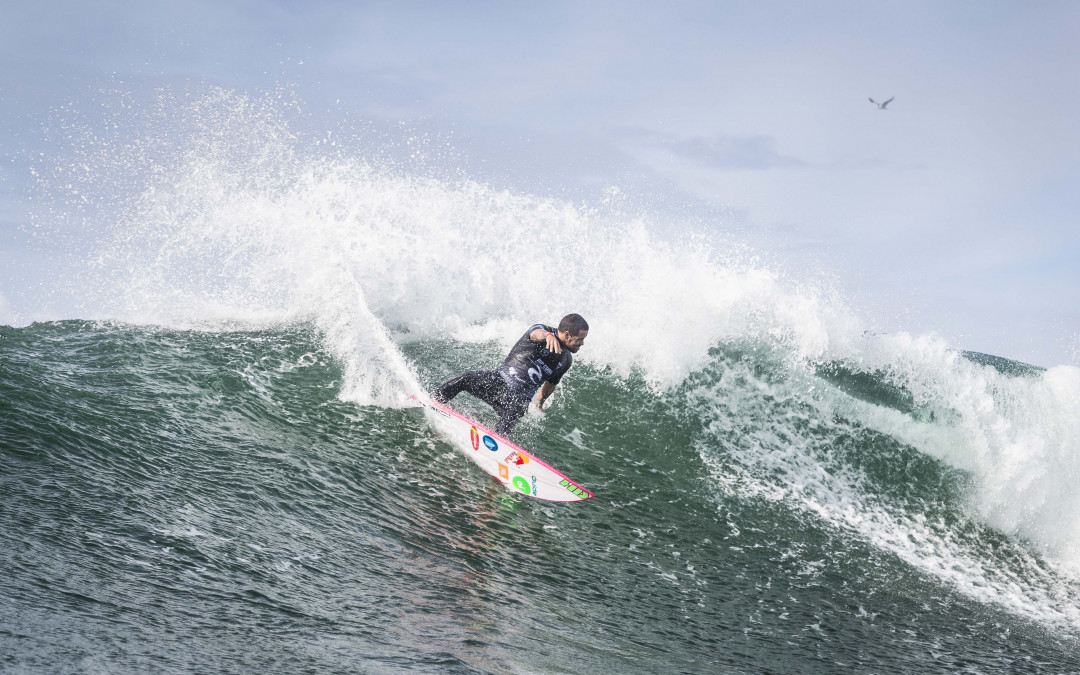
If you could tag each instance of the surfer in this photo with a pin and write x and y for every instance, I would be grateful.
(538, 361)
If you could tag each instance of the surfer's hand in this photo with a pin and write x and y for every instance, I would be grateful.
(553, 343)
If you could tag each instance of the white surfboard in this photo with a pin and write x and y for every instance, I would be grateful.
(518, 469)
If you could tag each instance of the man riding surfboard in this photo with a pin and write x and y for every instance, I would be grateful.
(538, 360)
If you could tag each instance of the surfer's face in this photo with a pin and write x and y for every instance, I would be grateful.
(573, 342)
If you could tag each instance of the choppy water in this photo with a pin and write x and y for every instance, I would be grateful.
(211, 469)
(203, 501)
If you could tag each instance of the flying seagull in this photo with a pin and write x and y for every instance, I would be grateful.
(881, 106)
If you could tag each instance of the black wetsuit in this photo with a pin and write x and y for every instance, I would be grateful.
(510, 387)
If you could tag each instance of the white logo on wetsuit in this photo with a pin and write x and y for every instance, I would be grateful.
(535, 375)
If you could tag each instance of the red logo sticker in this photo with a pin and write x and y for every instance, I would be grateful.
(516, 458)
(474, 436)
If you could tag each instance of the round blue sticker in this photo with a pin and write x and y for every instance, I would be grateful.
(490, 443)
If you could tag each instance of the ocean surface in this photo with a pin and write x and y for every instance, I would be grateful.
(209, 466)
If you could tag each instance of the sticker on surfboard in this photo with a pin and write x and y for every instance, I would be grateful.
(518, 469)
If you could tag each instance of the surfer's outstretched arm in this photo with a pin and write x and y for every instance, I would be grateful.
(545, 391)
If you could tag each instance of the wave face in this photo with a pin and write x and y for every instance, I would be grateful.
(216, 455)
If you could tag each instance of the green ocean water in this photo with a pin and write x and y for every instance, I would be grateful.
(198, 501)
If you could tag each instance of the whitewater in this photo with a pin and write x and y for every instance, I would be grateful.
(777, 489)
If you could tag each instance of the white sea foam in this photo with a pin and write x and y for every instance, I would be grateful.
(754, 448)
(1019, 436)
(236, 220)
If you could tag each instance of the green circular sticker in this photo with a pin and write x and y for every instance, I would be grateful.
(521, 484)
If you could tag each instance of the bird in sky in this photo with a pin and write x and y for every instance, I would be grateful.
(881, 106)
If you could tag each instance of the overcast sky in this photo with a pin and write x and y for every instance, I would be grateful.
(955, 210)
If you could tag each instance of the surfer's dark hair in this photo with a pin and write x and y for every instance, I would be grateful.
(573, 324)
